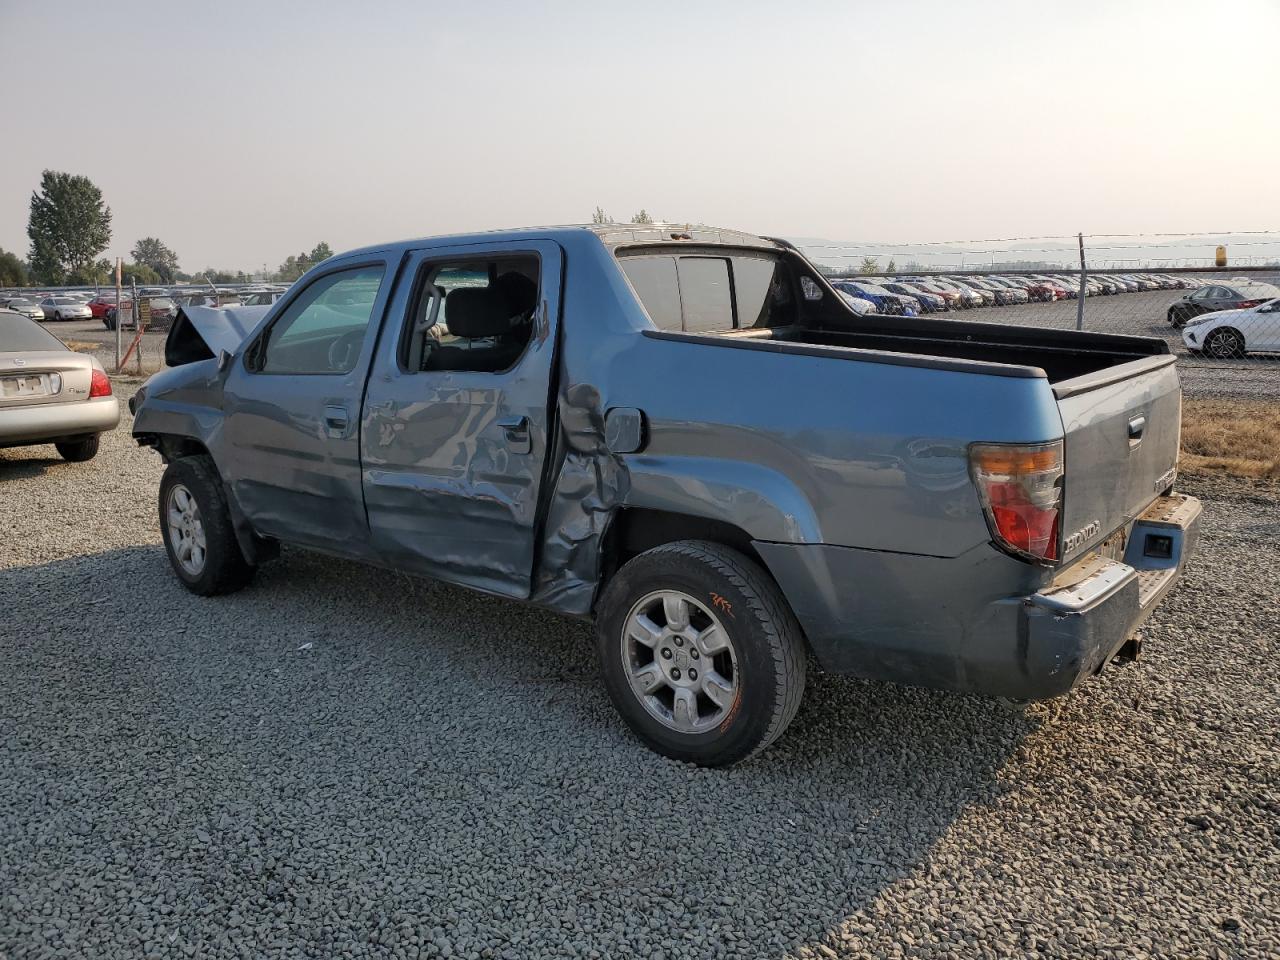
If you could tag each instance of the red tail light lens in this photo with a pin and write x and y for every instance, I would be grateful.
(1250, 303)
(99, 385)
(1020, 486)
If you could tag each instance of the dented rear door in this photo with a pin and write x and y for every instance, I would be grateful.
(452, 460)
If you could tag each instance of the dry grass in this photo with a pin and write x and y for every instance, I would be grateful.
(1237, 438)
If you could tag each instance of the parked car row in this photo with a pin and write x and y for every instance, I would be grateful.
(914, 295)
(86, 304)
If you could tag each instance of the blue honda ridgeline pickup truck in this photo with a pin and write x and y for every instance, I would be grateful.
(687, 436)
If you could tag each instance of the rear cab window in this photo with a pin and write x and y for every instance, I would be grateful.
(704, 292)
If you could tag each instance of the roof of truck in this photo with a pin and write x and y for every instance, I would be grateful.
(612, 235)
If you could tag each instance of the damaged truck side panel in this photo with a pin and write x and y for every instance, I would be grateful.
(562, 416)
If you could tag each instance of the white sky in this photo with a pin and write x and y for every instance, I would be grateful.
(242, 132)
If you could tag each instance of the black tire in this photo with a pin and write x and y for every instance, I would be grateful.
(766, 640)
(1223, 344)
(78, 451)
(224, 568)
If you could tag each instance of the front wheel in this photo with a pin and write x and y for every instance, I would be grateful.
(700, 653)
(195, 523)
(1224, 344)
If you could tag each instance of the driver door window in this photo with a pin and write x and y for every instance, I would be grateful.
(322, 331)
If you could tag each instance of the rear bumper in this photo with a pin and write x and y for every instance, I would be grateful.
(49, 422)
(982, 622)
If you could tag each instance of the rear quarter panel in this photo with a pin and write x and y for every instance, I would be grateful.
(791, 448)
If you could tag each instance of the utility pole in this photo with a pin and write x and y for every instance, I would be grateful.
(137, 320)
(119, 267)
(1081, 295)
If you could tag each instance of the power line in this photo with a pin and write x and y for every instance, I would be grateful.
(1121, 236)
(1061, 250)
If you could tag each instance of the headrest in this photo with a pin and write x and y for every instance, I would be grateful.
(473, 312)
(520, 291)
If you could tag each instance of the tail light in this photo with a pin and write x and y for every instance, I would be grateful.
(1250, 303)
(99, 385)
(1020, 486)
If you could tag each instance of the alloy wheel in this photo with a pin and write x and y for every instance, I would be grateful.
(680, 662)
(186, 530)
(1222, 344)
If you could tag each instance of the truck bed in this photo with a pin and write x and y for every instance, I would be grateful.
(1063, 355)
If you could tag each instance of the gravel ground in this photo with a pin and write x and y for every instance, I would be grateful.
(340, 761)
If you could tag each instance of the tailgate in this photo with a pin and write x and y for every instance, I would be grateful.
(1122, 427)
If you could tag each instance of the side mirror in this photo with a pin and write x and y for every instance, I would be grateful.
(224, 359)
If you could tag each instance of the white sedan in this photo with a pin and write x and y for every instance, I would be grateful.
(1233, 333)
(65, 308)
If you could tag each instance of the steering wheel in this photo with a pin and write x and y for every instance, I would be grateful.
(342, 352)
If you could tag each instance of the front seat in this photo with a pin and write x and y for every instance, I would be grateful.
(480, 313)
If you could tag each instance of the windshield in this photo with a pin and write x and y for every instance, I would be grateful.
(17, 333)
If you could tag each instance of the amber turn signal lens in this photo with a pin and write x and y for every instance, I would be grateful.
(1011, 461)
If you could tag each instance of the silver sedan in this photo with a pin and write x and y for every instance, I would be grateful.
(65, 308)
(28, 308)
(50, 394)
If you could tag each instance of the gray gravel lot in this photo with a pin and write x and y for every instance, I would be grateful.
(340, 761)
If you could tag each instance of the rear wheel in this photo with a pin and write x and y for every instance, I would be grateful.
(700, 653)
(195, 523)
(77, 451)
(1224, 344)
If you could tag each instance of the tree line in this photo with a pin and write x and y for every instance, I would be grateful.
(69, 227)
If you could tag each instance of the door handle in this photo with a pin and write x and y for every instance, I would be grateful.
(335, 421)
(517, 433)
(1136, 427)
